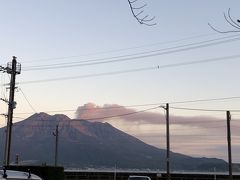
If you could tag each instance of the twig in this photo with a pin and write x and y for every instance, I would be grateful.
(137, 11)
(228, 18)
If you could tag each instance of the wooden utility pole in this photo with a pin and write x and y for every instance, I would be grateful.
(229, 144)
(12, 69)
(56, 145)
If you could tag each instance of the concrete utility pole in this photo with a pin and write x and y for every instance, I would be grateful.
(229, 144)
(115, 172)
(167, 141)
(56, 145)
(12, 68)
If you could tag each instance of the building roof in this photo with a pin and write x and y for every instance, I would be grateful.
(18, 175)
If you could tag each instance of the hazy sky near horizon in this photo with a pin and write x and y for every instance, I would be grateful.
(109, 58)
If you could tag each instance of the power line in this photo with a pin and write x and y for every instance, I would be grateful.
(3, 81)
(163, 66)
(133, 56)
(121, 49)
(200, 61)
(205, 100)
(145, 131)
(120, 115)
(55, 111)
(113, 116)
(25, 97)
(142, 105)
(210, 110)
(91, 75)
(198, 135)
(137, 70)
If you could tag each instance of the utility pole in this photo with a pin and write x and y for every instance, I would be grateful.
(215, 176)
(167, 141)
(12, 68)
(56, 145)
(115, 172)
(229, 144)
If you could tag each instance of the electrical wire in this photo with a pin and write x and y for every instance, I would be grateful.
(122, 49)
(25, 97)
(151, 131)
(200, 61)
(3, 81)
(55, 111)
(131, 56)
(108, 117)
(89, 75)
(135, 70)
(209, 110)
(121, 115)
(205, 100)
(224, 58)
(142, 105)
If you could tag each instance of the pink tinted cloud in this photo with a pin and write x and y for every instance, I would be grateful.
(90, 111)
(197, 135)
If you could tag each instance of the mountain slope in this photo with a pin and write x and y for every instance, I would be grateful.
(93, 144)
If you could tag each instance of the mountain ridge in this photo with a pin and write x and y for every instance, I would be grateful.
(94, 144)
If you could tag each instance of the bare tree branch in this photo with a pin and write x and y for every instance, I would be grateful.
(228, 18)
(140, 7)
(137, 11)
(133, 1)
(213, 28)
(230, 22)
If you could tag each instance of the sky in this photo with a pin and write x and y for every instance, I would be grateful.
(79, 55)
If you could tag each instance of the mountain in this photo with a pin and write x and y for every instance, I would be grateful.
(93, 144)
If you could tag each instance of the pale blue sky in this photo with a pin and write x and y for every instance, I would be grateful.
(38, 32)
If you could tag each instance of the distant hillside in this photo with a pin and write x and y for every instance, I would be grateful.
(93, 144)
